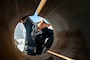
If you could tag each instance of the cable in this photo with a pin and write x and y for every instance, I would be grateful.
(59, 55)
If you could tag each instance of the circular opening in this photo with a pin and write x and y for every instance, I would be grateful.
(33, 35)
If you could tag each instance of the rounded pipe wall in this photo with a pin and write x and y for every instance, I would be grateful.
(65, 17)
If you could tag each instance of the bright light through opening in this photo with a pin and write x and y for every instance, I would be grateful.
(20, 34)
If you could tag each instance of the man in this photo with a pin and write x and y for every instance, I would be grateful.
(40, 34)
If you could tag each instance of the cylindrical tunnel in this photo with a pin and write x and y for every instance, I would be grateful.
(67, 18)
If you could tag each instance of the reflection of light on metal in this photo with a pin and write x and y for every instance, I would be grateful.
(42, 3)
(61, 56)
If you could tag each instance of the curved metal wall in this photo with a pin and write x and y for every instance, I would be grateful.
(69, 18)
